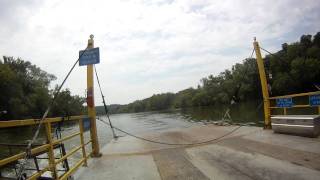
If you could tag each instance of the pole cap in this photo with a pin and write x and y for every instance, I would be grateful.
(90, 41)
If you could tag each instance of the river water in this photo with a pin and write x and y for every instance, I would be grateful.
(139, 123)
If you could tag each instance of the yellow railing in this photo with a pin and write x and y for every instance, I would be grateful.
(273, 99)
(49, 146)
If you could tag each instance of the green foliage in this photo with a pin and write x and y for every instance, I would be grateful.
(25, 92)
(297, 68)
(294, 69)
(66, 104)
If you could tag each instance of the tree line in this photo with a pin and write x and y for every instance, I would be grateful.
(293, 69)
(25, 92)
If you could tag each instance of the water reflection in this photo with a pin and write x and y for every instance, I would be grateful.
(244, 113)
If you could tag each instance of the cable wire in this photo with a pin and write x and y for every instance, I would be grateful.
(252, 53)
(153, 141)
(149, 140)
(172, 144)
(36, 134)
(104, 104)
(272, 54)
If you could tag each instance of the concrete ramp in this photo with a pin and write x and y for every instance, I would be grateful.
(248, 153)
(139, 167)
(174, 164)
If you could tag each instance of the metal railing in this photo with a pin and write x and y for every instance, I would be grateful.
(49, 146)
(295, 104)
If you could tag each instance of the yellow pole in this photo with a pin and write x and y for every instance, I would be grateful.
(264, 85)
(52, 164)
(84, 155)
(91, 105)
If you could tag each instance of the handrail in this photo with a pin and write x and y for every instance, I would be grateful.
(49, 146)
(19, 145)
(296, 95)
(74, 150)
(67, 174)
(295, 105)
(36, 175)
(28, 122)
(65, 138)
(21, 155)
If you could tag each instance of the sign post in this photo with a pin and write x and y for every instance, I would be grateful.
(89, 57)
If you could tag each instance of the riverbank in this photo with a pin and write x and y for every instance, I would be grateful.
(248, 153)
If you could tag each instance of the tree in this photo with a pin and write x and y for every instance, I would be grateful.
(25, 91)
(295, 68)
(316, 39)
(66, 104)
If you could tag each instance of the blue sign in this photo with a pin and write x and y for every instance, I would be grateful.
(86, 123)
(90, 56)
(314, 100)
(284, 102)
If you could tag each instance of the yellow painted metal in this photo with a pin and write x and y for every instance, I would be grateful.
(65, 138)
(88, 156)
(68, 154)
(264, 86)
(22, 155)
(295, 106)
(296, 95)
(52, 164)
(72, 170)
(82, 142)
(301, 106)
(49, 147)
(28, 122)
(91, 105)
(38, 174)
(87, 142)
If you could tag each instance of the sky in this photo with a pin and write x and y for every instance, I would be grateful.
(148, 46)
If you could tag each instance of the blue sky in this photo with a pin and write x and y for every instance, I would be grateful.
(149, 46)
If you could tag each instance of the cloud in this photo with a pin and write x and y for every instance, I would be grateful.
(149, 46)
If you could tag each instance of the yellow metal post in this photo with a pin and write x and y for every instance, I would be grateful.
(91, 105)
(84, 155)
(52, 165)
(264, 85)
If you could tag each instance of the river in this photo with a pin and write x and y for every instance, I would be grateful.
(144, 122)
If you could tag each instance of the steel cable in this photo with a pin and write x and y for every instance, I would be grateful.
(104, 103)
(173, 144)
(36, 134)
(153, 141)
